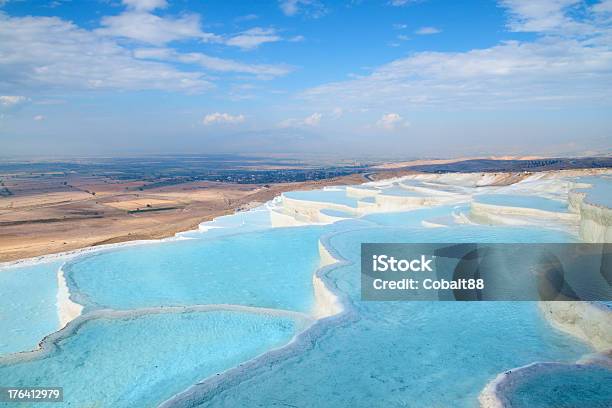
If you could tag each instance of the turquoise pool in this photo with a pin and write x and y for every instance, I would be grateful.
(336, 213)
(412, 218)
(113, 362)
(270, 268)
(539, 203)
(563, 387)
(396, 354)
(399, 192)
(408, 353)
(600, 192)
(323, 196)
(28, 309)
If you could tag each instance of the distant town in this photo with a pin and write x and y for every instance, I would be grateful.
(154, 172)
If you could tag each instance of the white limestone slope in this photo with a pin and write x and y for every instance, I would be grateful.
(67, 310)
(509, 215)
(590, 322)
(326, 302)
(595, 220)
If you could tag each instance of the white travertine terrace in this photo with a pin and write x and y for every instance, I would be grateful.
(280, 219)
(326, 258)
(326, 303)
(429, 224)
(370, 200)
(361, 192)
(67, 310)
(402, 203)
(595, 220)
(590, 322)
(493, 395)
(310, 211)
(587, 321)
(499, 214)
(329, 218)
(425, 190)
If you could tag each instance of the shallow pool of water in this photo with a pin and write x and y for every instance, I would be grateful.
(323, 196)
(416, 354)
(397, 354)
(28, 306)
(140, 362)
(398, 191)
(271, 268)
(564, 387)
(539, 203)
(600, 192)
(336, 213)
(412, 218)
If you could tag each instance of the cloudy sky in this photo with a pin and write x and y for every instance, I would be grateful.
(390, 77)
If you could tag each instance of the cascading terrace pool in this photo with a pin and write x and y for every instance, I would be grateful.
(233, 314)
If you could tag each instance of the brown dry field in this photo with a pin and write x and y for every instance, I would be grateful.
(45, 216)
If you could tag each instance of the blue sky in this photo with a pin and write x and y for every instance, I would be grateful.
(385, 78)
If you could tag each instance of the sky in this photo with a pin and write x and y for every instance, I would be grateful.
(389, 78)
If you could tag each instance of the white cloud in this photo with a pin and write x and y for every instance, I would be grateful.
(604, 6)
(313, 120)
(148, 28)
(263, 71)
(48, 52)
(39, 118)
(49, 102)
(309, 121)
(548, 71)
(247, 17)
(539, 15)
(11, 100)
(139, 23)
(399, 26)
(400, 3)
(253, 38)
(222, 118)
(166, 54)
(145, 5)
(392, 121)
(289, 7)
(44, 53)
(310, 8)
(427, 31)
